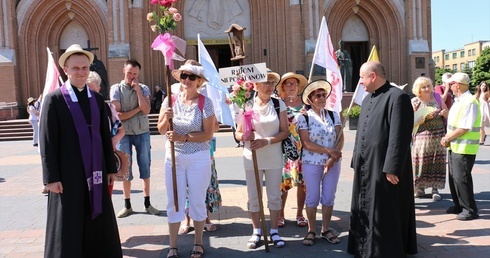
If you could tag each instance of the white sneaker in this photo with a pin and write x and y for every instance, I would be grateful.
(152, 210)
(124, 212)
(435, 195)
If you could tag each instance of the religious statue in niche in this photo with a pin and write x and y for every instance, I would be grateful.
(238, 46)
(345, 63)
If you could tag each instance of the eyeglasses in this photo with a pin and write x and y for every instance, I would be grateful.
(291, 84)
(270, 83)
(191, 77)
(320, 95)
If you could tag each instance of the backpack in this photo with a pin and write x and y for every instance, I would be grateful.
(330, 114)
(289, 149)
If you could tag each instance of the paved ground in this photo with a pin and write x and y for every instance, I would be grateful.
(23, 211)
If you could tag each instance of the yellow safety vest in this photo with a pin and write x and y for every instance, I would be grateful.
(467, 143)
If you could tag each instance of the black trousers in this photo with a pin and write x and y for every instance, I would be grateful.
(461, 181)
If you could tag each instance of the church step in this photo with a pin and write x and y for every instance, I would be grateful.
(20, 129)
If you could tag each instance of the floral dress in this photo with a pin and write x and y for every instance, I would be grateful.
(291, 172)
(428, 155)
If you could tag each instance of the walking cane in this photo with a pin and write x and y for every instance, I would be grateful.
(258, 184)
(172, 148)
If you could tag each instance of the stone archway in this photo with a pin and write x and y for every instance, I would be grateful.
(381, 17)
(42, 24)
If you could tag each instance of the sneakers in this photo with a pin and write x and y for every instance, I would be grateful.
(125, 212)
(465, 215)
(152, 210)
(435, 195)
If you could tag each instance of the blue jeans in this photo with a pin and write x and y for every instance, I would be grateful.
(143, 153)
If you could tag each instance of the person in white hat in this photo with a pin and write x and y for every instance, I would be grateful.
(320, 132)
(269, 130)
(289, 90)
(462, 140)
(444, 90)
(78, 165)
(194, 124)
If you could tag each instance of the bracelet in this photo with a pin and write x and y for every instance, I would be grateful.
(268, 140)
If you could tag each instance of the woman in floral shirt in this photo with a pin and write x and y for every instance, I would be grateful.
(318, 131)
(289, 90)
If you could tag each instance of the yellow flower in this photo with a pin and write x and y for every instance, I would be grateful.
(150, 16)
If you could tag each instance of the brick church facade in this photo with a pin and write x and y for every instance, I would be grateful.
(280, 33)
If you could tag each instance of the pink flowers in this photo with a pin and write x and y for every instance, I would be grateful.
(242, 92)
(166, 16)
(166, 3)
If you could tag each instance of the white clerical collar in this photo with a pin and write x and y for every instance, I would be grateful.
(70, 90)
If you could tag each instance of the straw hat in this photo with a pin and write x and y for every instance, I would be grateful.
(30, 100)
(316, 85)
(75, 48)
(301, 80)
(190, 66)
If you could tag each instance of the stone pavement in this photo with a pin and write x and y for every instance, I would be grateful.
(23, 211)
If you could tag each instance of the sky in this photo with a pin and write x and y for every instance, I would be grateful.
(458, 22)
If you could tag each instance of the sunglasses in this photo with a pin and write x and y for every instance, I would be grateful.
(320, 95)
(191, 77)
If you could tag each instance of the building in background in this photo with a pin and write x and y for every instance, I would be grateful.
(460, 59)
(280, 33)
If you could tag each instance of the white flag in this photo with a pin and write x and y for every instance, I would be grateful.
(324, 56)
(214, 90)
(52, 75)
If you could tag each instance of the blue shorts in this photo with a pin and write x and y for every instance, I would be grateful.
(141, 142)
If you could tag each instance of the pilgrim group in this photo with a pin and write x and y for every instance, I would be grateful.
(79, 134)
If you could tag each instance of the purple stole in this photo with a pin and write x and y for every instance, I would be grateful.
(90, 147)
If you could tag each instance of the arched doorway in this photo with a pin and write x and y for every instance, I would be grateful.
(355, 37)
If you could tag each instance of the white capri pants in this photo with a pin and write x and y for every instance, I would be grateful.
(316, 187)
(273, 179)
(193, 176)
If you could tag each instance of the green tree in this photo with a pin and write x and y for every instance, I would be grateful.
(481, 71)
(440, 72)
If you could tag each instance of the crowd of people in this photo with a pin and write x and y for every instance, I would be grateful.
(403, 159)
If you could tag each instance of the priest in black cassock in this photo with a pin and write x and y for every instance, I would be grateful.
(382, 219)
(78, 164)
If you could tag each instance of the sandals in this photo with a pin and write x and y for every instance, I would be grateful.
(195, 253)
(184, 230)
(210, 227)
(301, 221)
(309, 241)
(176, 255)
(281, 223)
(278, 243)
(330, 237)
(254, 241)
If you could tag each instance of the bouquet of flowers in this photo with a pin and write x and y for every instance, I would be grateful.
(169, 16)
(242, 92)
(166, 18)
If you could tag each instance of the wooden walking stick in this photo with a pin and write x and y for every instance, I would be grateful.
(258, 184)
(172, 147)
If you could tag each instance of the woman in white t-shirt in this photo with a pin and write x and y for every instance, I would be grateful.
(265, 139)
(33, 120)
(193, 123)
(318, 130)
